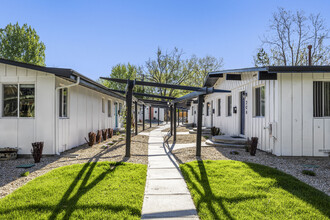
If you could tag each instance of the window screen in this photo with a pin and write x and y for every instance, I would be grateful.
(260, 101)
(219, 107)
(321, 99)
(229, 105)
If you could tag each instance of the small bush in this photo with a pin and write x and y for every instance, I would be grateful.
(117, 133)
(309, 172)
(206, 137)
(25, 174)
(234, 152)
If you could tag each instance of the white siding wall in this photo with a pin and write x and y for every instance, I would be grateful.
(289, 103)
(85, 115)
(254, 126)
(21, 132)
(301, 133)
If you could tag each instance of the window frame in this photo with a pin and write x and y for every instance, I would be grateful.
(323, 106)
(208, 106)
(262, 108)
(230, 107)
(219, 107)
(109, 108)
(103, 105)
(18, 99)
(60, 105)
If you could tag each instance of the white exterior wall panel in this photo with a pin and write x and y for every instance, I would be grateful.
(21, 132)
(288, 105)
(84, 115)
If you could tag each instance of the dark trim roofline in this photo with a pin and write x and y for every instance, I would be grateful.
(276, 69)
(67, 74)
(212, 77)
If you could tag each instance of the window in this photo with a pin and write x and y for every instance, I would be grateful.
(192, 110)
(24, 99)
(208, 109)
(321, 99)
(109, 108)
(229, 105)
(63, 113)
(219, 107)
(259, 101)
(120, 107)
(103, 106)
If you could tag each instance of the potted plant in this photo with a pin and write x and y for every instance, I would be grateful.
(36, 151)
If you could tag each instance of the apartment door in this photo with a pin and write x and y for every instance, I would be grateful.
(242, 124)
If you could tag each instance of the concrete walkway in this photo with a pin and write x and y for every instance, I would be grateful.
(166, 194)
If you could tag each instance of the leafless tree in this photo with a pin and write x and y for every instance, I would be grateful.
(290, 34)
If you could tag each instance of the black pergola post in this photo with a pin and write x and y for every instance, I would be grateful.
(143, 117)
(136, 118)
(129, 96)
(199, 125)
(166, 115)
(158, 116)
(171, 113)
(150, 115)
(174, 118)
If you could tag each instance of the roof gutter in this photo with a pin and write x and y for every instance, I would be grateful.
(56, 150)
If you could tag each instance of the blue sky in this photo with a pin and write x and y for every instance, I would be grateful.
(92, 36)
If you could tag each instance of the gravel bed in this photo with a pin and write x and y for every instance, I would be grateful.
(10, 178)
(185, 138)
(178, 129)
(289, 165)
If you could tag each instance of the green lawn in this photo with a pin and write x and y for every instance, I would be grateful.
(236, 190)
(103, 190)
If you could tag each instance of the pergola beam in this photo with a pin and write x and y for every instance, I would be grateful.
(153, 84)
(198, 93)
(144, 94)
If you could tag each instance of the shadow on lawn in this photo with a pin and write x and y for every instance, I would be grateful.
(301, 190)
(208, 196)
(69, 205)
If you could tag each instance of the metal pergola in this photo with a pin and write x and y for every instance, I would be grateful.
(173, 104)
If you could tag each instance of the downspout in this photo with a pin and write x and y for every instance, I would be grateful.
(57, 112)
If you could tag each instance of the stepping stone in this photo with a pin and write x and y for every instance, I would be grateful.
(25, 166)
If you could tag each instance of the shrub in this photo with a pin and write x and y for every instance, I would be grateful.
(309, 172)
(234, 152)
(25, 174)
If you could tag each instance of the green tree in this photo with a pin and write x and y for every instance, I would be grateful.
(22, 44)
(202, 67)
(290, 34)
(124, 71)
(261, 59)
